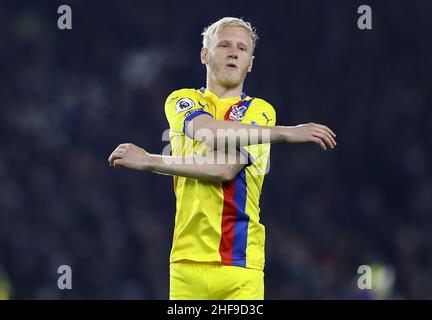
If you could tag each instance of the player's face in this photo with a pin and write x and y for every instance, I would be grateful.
(229, 57)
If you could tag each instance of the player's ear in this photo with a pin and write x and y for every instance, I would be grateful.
(204, 55)
(250, 64)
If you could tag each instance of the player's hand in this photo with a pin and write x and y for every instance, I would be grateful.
(312, 132)
(130, 156)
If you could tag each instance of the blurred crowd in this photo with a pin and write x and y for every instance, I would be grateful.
(69, 97)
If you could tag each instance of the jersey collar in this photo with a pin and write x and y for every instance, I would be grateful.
(207, 92)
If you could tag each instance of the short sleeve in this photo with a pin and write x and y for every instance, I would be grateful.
(182, 106)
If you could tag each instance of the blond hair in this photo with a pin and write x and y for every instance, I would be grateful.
(213, 30)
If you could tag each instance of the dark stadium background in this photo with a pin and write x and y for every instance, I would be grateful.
(68, 98)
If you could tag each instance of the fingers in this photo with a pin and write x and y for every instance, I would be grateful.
(115, 156)
(117, 163)
(117, 153)
(324, 134)
(111, 157)
(325, 140)
(327, 129)
(330, 141)
(319, 142)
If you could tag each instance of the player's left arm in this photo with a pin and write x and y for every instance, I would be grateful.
(130, 156)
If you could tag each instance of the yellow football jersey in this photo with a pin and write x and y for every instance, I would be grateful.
(218, 221)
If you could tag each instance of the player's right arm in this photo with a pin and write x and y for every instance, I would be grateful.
(243, 134)
(187, 116)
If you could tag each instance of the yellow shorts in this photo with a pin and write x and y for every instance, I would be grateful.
(212, 281)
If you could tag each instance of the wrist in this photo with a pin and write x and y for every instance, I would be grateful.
(149, 162)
